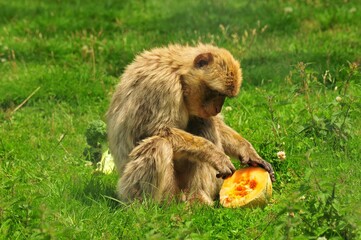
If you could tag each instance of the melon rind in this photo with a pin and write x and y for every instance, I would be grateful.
(258, 197)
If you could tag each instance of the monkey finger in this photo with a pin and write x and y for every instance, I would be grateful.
(244, 159)
(273, 178)
(253, 164)
(223, 176)
(267, 166)
(231, 167)
(226, 172)
(269, 169)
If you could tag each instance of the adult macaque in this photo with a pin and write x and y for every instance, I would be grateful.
(164, 130)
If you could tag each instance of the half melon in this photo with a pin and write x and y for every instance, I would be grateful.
(251, 187)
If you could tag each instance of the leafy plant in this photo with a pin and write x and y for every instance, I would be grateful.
(96, 137)
(326, 118)
(315, 213)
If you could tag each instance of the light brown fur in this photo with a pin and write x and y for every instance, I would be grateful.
(164, 130)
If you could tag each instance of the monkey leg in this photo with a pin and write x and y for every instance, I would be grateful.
(235, 145)
(149, 172)
(203, 186)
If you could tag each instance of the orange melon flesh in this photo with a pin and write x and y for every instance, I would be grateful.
(249, 187)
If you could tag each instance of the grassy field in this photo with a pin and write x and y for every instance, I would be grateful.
(60, 62)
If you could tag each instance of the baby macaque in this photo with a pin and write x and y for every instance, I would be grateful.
(165, 132)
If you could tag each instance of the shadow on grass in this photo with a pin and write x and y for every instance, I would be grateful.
(100, 188)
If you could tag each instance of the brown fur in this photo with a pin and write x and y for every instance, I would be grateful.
(164, 130)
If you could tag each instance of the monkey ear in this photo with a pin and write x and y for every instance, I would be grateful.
(203, 59)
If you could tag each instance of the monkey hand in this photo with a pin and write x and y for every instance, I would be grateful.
(250, 157)
(224, 167)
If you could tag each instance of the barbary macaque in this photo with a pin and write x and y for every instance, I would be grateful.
(164, 125)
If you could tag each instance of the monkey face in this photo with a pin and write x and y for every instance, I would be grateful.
(214, 77)
(203, 102)
(219, 71)
(212, 103)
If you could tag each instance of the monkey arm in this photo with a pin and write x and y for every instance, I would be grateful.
(235, 145)
(194, 148)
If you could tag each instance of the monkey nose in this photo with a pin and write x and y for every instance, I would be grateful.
(218, 109)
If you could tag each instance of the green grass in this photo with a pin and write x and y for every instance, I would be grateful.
(297, 57)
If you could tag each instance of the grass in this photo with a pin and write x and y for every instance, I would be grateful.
(301, 94)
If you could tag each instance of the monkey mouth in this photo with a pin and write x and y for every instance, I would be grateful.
(212, 111)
